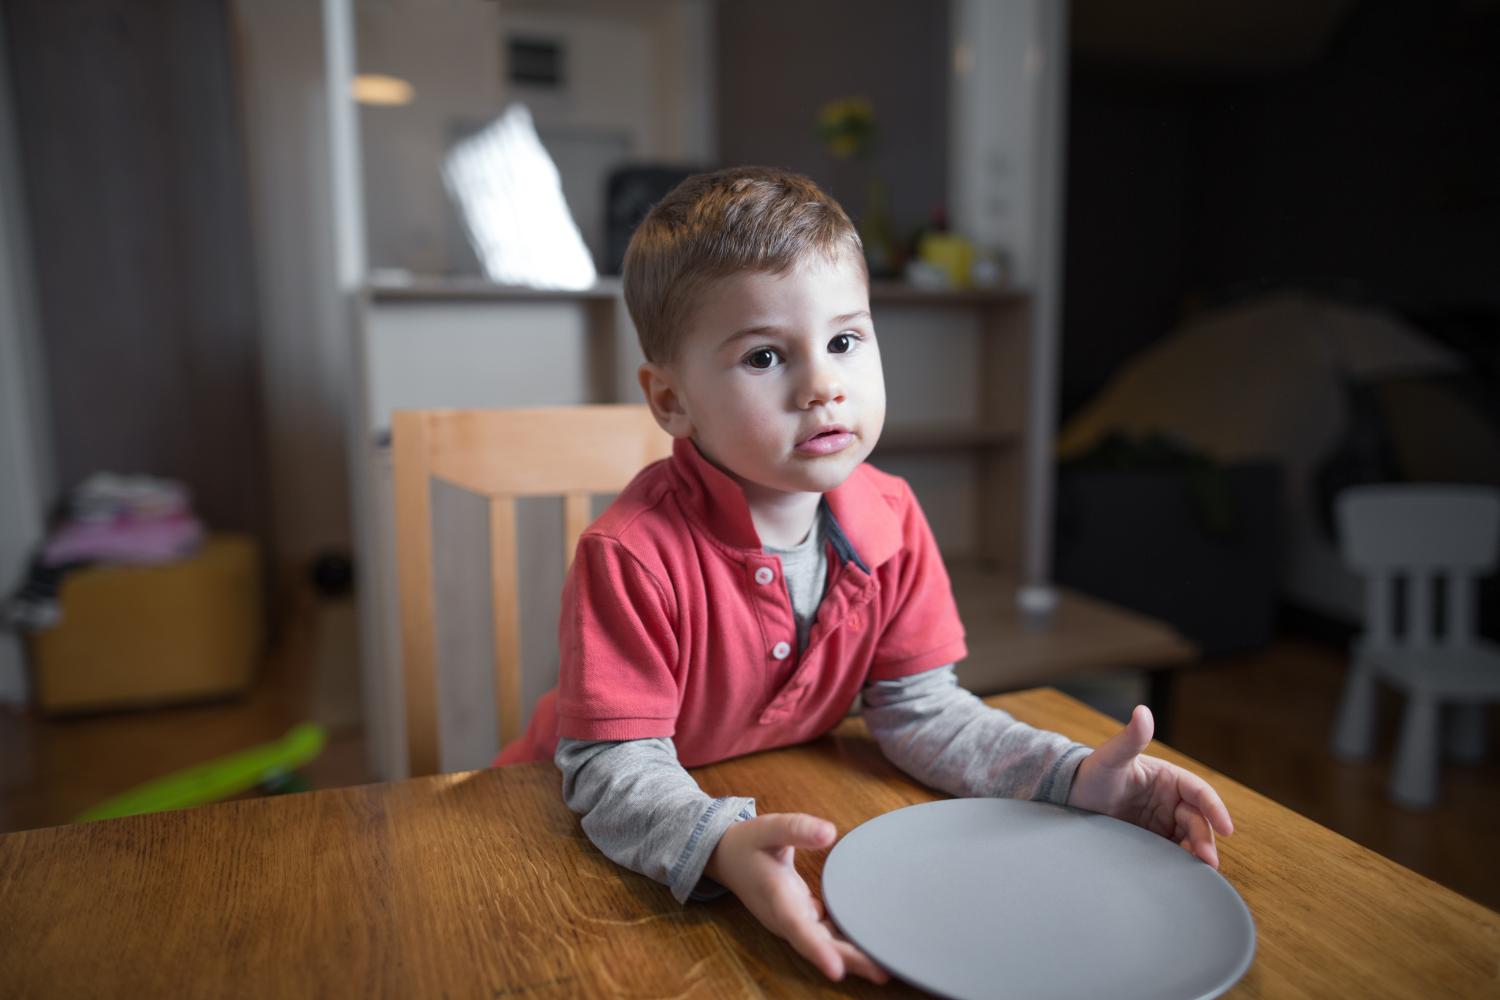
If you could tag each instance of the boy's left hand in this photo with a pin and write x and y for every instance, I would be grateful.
(1118, 780)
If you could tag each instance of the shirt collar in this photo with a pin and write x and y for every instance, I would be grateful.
(718, 504)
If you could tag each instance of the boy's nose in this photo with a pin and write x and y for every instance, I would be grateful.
(822, 386)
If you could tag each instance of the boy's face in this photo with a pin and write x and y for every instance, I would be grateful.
(777, 378)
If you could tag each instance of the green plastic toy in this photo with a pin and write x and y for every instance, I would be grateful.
(269, 764)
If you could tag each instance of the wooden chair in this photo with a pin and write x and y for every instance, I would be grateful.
(1420, 534)
(572, 452)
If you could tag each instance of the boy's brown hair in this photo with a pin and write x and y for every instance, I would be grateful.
(717, 224)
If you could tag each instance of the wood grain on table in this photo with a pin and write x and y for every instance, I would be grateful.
(483, 884)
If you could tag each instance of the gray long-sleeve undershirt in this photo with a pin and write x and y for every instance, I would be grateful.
(643, 810)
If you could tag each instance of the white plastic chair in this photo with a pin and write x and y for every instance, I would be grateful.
(1420, 534)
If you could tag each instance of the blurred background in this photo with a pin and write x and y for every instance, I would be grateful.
(1237, 258)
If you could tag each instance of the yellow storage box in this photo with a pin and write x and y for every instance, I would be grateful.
(139, 635)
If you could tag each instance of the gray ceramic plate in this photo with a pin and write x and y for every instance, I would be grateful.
(994, 897)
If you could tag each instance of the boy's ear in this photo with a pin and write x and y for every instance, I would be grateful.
(659, 384)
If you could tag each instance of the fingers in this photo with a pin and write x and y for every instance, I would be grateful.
(789, 909)
(798, 916)
(1196, 834)
(1203, 797)
(819, 942)
(1128, 743)
(783, 830)
(856, 961)
(1142, 727)
(783, 902)
(814, 943)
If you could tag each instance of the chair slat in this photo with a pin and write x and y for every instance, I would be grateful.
(574, 452)
(1378, 609)
(547, 451)
(575, 519)
(1420, 617)
(1460, 597)
(505, 599)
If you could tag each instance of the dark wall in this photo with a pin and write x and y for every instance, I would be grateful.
(1379, 165)
(1129, 225)
(136, 195)
(1370, 172)
(779, 61)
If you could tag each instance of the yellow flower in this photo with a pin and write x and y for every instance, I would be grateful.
(847, 126)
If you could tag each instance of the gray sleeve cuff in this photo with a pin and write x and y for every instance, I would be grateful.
(645, 812)
(1057, 784)
(687, 880)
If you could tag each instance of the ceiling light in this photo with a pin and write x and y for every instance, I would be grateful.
(375, 88)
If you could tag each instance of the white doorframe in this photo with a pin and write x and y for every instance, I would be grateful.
(380, 681)
(1050, 68)
(1007, 161)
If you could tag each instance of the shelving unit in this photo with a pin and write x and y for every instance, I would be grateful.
(998, 323)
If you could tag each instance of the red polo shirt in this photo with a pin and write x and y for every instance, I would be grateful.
(676, 623)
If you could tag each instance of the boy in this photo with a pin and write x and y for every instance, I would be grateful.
(738, 596)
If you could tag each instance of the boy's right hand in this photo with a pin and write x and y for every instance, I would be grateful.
(754, 860)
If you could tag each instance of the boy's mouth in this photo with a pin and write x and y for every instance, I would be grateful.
(825, 441)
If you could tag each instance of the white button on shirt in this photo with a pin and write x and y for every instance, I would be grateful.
(781, 650)
(764, 575)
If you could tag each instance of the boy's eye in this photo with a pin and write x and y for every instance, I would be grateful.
(842, 344)
(762, 358)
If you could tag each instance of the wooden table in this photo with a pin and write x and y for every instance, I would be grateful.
(482, 884)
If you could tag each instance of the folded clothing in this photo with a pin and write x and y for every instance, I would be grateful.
(107, 496)
(140, 520)
(125, 540)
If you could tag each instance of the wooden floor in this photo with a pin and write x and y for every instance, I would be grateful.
(53, 769)
(1262, 718)
(1265, 719)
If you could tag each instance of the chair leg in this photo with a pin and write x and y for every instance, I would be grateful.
(1464, 733)
(1414, 783)
(1354, 730)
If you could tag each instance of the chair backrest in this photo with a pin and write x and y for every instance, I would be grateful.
(572, 452)
(1421, 533)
